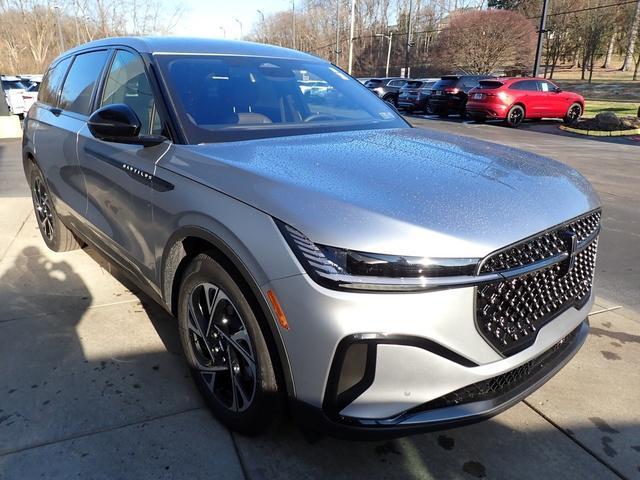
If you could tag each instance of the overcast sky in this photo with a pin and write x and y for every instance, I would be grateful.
(208, 18)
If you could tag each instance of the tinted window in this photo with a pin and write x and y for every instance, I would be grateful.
(128, 83)
(396, 83)
(412, 85)
(546, 86)
(229, 98)
(80, 82)
(529, 85)
(12, 85)
(373, 83)
(489, 84)
(34, 88)
(428, 85)
(52, 81)
(445, 82)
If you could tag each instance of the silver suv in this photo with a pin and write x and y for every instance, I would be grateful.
(319, 254)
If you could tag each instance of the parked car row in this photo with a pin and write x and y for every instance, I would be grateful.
(20, 92)
(481, 97)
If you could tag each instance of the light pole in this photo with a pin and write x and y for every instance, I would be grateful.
(293, 22)
(337, 51)
(408, 45)
(543, 19)
(240, 23)
(351, 30)
(224, 32)
(264, 40)
(390, 39)
(60, 38)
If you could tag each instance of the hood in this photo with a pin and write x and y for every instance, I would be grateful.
(404, 191)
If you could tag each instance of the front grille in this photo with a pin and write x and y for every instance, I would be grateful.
(502, 384)
(510, 312)
(541, 246)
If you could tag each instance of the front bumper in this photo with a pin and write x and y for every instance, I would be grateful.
(466, 406)
(426, 347)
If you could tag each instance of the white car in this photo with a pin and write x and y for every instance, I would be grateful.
(13, 89)
(30, 96)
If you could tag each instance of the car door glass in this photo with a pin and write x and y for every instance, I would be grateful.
(544, 87)
(80, 82)
(51, 83)
(128, 83)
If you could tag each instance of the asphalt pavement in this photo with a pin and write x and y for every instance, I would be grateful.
(93, 385)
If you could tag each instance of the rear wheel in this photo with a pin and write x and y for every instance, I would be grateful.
(515, 116)
(225, 349)
(54, 233)
(573, 114)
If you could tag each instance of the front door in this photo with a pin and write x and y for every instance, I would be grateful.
(119, 176)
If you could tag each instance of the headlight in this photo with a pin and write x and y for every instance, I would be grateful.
(344, 269)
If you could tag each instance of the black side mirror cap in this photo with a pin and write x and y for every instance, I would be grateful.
(119, 123)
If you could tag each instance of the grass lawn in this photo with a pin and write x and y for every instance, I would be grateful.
(619, 108)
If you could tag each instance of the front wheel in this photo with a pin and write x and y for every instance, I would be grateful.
(573, 114)
(225, 348)
(515, 116)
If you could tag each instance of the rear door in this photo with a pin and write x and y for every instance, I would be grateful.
(119, 176)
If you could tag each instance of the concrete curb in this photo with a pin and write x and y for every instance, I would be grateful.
(599, 133)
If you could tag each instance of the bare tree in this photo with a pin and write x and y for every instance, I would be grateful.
(485, 41)
(633, 36)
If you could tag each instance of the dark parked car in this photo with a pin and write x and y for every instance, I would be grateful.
(414, 95)
(449, 95)
(317, 251)
(386, 88)
(516, 99)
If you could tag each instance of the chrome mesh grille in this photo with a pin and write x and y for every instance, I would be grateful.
(541, 247)
(510, 312)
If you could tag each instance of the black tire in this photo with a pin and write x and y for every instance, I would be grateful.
(231, 308)
(515, 116)
(442, 113)
(574, 112)
(54, 233)
(463, 111)
(391, 99)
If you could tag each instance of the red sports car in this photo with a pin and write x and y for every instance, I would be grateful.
(515, 99)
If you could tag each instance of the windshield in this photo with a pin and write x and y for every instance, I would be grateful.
(227, 98)
(445, 82)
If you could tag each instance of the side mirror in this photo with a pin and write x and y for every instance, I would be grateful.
(557, 90)
(119, 123)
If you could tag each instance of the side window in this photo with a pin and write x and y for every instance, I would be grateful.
(52, 81)
(81, 81)
(529, 85)
(545, 86)
(128, 83)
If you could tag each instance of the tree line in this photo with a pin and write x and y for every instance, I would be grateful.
(34, 32)
(447, 36)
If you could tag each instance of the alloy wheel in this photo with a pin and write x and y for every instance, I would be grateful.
(574, 113)
(516, 116)
(221, 346)
(44, 212)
